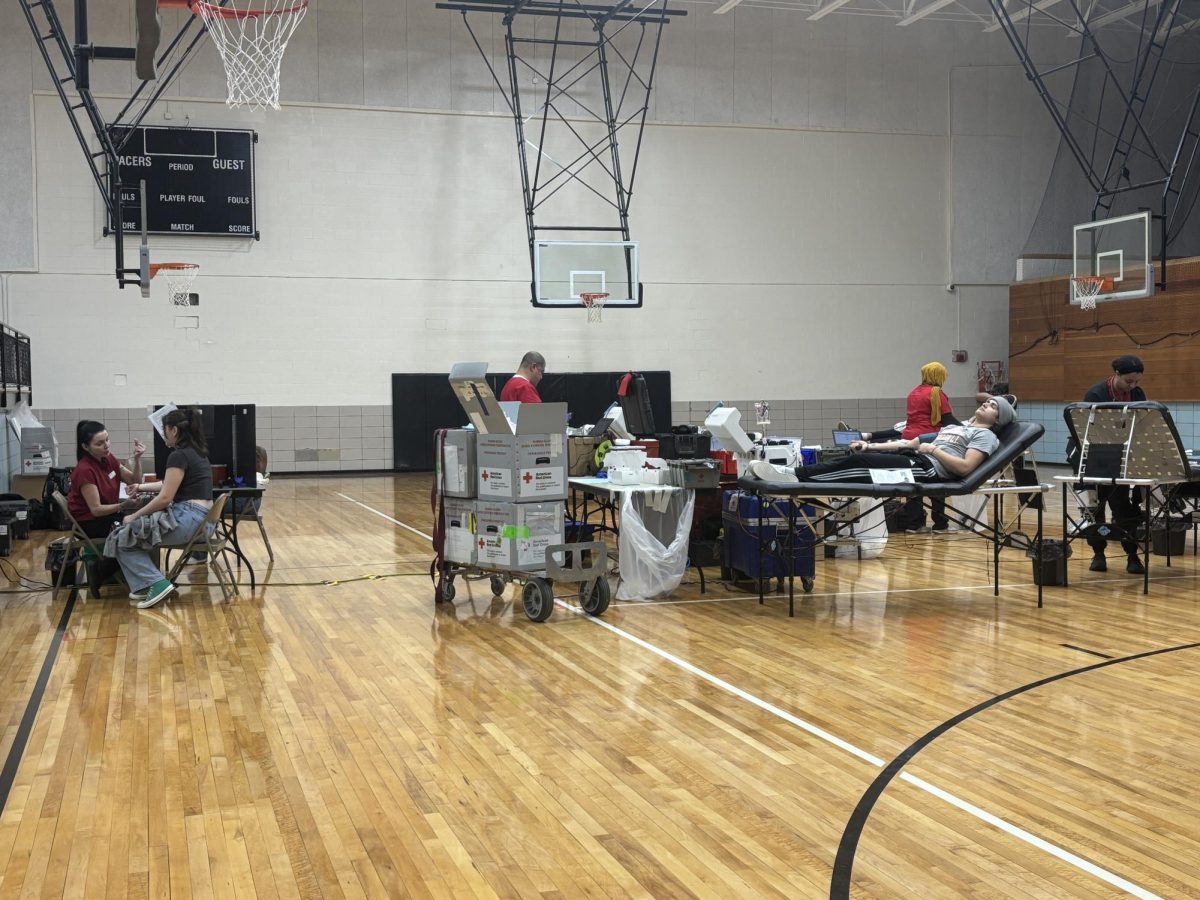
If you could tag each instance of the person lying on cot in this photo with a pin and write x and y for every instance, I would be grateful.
(956, 452)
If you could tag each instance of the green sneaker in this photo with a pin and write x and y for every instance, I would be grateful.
(160, 590)
(139, 595)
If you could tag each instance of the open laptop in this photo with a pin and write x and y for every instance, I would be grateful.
(841, 445)
(845, 438)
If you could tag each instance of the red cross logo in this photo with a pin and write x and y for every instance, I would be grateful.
(527, 477)
(482, 542)
(484, 476)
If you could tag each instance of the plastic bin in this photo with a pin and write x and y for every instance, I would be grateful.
(1172, 536)
(740, 518)
(1051, 569)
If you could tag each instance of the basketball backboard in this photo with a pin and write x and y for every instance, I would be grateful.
(564, 270)
(1116, 249)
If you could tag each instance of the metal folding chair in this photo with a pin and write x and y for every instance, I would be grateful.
(79, 541)
(249, 512)
(216, 545)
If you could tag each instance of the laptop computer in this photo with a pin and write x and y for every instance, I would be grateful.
(845, 438)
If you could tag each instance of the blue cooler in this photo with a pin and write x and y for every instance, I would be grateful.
(739, 516)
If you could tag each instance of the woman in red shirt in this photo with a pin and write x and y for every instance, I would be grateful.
(928, 404)
(95, 496)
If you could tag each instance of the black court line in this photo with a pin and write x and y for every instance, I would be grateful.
(1086, 650)
(17, 750)
(843, 864)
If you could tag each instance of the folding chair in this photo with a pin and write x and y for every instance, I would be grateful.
(79, 540)
(250, 512)
(216, 545)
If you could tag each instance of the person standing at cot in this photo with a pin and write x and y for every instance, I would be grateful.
(522, 387)
(1121, 501)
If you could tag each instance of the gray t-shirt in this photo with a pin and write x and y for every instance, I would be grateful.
(197, 474)
(958, 439)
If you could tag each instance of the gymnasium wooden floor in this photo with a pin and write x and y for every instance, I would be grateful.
(336, 734)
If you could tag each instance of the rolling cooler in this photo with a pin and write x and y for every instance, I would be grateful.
(749, 558)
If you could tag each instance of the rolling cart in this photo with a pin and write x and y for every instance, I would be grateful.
(585, 563)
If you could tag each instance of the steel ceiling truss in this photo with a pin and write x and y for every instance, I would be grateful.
(576, 94)
(1133, 161)
(69, 64)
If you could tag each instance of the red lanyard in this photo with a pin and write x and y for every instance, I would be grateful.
(1112, 391)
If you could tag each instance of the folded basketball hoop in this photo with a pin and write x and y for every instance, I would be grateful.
(179, 280)
(251, 36)
(1085, 289)
(594, 303)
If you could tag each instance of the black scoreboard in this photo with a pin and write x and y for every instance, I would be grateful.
(198, 180)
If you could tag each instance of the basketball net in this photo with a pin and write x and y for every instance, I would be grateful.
(180, 277)
(252, 43)
(594, 303)
(1086, 287)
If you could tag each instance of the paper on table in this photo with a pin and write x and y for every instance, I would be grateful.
(156, 418)
(892, 476)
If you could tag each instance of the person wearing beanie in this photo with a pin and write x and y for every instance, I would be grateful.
(1119, 501)
(954, 453)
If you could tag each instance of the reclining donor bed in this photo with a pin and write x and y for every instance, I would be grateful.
(1015, 439)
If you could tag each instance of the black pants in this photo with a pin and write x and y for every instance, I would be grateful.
(912, 516)
(856, 467)
(1126, 515)
(99, 528)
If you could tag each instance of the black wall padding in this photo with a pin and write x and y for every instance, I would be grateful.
(423, 403)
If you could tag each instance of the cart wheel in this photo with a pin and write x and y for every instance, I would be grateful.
(447, 592)
(498, 585)
(538, 599)
(594, 596)
(806, 582)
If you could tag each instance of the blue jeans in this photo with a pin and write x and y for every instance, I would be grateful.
(138, 566)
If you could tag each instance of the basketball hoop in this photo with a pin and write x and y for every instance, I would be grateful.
(594, 303)
(179, 280)
(1085, 288)
(251, 43)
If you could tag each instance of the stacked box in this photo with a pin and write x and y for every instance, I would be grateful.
(459, 518)
(459, 473)
(522, 467)
(511, 535)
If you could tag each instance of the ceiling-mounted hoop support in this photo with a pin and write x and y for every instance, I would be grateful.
(563, 65)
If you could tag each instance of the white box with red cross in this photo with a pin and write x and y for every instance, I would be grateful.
(529, 465)
(515, 535)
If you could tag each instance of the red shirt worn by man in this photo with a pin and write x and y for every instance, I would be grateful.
(520, 389)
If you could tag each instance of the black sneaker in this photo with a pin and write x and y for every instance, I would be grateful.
(1135, 567)
(1098, 564)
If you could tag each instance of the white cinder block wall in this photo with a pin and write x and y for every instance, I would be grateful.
(806, 192)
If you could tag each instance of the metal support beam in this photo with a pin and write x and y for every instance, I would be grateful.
(565, 139)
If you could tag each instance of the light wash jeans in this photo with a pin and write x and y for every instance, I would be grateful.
(138, 566)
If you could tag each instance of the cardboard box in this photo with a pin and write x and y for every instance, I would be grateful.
(581, 455)
(459, 518)
(31, 487)
(458, 471)
(516, 535)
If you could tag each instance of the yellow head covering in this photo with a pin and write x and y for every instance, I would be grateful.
(934, 373)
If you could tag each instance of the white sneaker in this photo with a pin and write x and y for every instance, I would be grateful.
(765, 471)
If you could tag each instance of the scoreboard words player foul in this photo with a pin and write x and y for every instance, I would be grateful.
(198, 180)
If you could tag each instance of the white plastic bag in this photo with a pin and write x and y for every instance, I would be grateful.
(654, 542)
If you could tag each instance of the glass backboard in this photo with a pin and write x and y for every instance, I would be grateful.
(1116, 249)
(563, 270)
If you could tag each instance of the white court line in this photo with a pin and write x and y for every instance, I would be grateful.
(969, 808)
(383, 515)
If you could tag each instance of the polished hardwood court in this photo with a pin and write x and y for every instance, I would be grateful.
(337, 733)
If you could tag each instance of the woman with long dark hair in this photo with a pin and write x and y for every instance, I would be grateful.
(171, 518)
(95, 495)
